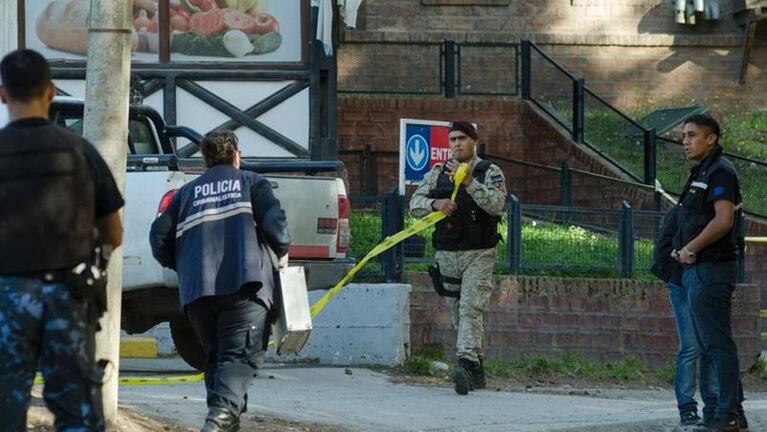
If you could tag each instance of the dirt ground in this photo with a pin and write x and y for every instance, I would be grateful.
(40, 419)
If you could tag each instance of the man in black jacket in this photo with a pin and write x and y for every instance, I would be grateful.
(219, 233)
(707, 243)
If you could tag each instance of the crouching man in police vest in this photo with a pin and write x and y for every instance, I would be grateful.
(214, 234)
(465, 244)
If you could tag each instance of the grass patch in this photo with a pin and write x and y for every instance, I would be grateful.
(548, 249)
(416, 365)
(666, 372)
(421, 364)
(743, 134)
(569, 367)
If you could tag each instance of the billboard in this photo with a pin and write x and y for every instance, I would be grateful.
(423, 144)
(199, 30)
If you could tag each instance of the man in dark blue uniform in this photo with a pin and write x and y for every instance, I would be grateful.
(219, 233)
(55, 190)
(708, 241)
(689, 353)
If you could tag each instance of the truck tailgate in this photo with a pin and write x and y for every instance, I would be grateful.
(311, 206)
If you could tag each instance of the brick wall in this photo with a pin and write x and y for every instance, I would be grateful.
(509, 127)
(629, 51)
(600, 319)
(374, 121)
(625, 17)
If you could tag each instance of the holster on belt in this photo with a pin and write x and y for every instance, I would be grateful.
(88, 281)
(439, 282)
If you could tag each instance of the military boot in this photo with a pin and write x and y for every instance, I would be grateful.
(463, 376)
(478, 376)
(221, 420)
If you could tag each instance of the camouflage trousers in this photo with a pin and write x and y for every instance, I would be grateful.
(475, 269)
(42, 325)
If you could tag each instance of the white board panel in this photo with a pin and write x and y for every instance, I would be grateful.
(155, 100)
(243, 94)
(291, 118)
(196, 114)
(254, 145)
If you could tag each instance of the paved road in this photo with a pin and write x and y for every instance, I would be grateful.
(367, 400)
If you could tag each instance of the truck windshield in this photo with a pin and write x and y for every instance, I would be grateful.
(141, 138)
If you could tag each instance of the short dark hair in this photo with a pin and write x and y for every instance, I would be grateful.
(219, 148)
(25, 74)
(464, 127)
(706, 121)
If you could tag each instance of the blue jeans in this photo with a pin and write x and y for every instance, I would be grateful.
(710, 287)
(687, 358)
(42, 322)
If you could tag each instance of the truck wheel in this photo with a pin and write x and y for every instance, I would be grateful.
(187, 345)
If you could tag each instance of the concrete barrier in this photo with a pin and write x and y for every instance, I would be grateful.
(365, 324)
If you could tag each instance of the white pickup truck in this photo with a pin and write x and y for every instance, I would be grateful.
(316, 206)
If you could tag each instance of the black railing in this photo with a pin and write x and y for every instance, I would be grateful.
(631, 148)
(445, 68)
(537, 239)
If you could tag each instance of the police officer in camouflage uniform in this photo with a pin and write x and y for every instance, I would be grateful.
(55, 190)
(465, 243)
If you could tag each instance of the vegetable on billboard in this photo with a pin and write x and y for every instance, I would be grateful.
(202, 28)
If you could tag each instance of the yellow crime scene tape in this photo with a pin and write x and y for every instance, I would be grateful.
(316, 308)
(419, 225)
(150, 380)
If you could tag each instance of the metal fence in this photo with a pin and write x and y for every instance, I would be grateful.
(536, 239)
(487, 69)
(549, 86)
(632, 148)
(445, 67)
(614, 135)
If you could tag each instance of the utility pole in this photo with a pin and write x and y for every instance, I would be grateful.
(9, 30)
(107, 84)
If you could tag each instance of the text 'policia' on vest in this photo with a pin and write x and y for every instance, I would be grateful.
(469, 227)
(46, 193)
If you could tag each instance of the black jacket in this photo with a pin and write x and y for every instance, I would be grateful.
(664, 266)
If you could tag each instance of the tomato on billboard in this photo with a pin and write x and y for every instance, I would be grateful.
(199, 30)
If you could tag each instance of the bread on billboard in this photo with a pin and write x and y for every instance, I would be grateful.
(63, 25)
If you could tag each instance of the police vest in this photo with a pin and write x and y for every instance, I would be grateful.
(46, 200)
(695, 213)
(217, 248)
(469, 227)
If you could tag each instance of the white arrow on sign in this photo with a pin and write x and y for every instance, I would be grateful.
(416, 152)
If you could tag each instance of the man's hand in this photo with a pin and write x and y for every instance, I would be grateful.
(684, 256)
(452, 166)
(444, 205)
(283, 262)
